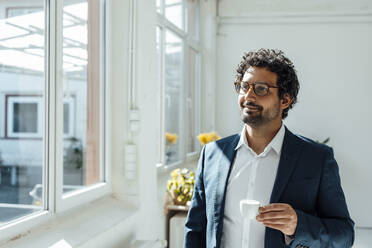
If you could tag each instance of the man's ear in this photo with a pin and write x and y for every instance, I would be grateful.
(286, 101)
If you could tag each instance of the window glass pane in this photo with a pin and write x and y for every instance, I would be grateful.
(21, 115)
(82, 58)
(158, 46)
(158, 6)
(193, 101)
(173, 84)
(24, 117)
(174, 10)
(193, 18)
(159, 52)
(66, 119)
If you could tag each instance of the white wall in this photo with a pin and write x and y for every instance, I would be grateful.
(332, 55)
(142, 190)
(241, 7)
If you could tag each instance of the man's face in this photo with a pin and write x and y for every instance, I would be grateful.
(259, 110)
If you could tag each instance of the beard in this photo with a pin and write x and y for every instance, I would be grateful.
(260, 116)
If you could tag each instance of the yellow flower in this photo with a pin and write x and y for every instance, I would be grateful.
(169, 186)
(181, 186)
(204, 138)
(175, 172)
(171, 137)
(180, 198)
(185, 191)
(181, 180)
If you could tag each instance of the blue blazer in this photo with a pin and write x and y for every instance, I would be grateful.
(307, 179)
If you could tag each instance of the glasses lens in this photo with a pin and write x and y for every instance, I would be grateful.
(237, 87)
(261, 89)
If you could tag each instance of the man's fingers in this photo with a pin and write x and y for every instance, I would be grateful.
(273, 215)
(278, 216)
(281, 221)
(273, 207)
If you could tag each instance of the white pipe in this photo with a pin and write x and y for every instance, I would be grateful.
(132, 104)
(132, 47)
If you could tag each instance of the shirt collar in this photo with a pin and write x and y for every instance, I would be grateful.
(276, 143)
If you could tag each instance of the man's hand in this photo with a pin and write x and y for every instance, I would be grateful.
(278, 216)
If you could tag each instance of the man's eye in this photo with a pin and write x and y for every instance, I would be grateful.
(260, 88)
(245, 87)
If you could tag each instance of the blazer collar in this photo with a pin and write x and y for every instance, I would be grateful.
(276, 143)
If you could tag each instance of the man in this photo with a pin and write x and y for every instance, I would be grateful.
(295, 178)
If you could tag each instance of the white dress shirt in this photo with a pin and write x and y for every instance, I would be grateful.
(252, 177)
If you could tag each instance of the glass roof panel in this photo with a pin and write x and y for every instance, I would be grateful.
(22, 40)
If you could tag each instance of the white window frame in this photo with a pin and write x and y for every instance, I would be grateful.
(11, 99)
(189, 42)
(19, 8)
(66, 201)
(54, 201)
(197, 110)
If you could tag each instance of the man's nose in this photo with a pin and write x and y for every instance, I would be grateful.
(250, 93)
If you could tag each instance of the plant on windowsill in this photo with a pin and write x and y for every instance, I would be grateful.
(73, 157)
(181, 187)
(170, 142)
(204, 138)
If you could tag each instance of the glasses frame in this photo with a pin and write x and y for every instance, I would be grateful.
(253, 85)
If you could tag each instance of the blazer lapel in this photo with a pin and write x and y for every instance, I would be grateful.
(225, 160)
(291, 151)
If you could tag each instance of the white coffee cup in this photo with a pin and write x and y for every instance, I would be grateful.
(249, 208)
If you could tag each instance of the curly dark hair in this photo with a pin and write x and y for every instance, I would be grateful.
(275, 61)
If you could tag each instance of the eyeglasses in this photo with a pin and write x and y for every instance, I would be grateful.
(260, 89)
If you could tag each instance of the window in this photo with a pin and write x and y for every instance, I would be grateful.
(179, 55)
(52, 106)
(22, 74)
(82, 76)
(24, 116)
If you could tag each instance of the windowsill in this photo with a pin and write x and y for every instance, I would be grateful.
(191, 161)
(80, 226)
(163, 169)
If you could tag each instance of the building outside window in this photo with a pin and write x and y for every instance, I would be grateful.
(24, 116)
